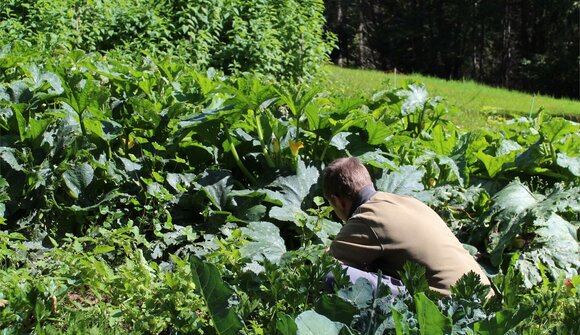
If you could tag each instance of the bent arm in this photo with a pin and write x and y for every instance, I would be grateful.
(356, 245)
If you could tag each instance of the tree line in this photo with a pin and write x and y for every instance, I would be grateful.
(518, 44)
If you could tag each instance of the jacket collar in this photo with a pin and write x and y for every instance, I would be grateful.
(363, 196)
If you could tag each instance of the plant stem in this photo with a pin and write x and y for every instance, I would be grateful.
(260, 132)
(239, 163)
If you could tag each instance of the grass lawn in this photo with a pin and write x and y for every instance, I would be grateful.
(478, 105)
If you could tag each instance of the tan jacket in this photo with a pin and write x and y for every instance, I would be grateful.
(388, 230)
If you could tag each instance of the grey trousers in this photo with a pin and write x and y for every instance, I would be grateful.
(395, 285)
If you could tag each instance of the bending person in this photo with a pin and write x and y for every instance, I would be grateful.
(382, 231)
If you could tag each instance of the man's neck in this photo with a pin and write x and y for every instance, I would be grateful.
(362, 196)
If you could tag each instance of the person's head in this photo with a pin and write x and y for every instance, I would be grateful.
(341, 182)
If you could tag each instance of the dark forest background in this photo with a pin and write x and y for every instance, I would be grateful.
(532, 46)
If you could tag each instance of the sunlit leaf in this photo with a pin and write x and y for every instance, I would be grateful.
(292, 191)
(312, 323)
(570, 163)
(431, 320)
(265, 242)
(405, 181)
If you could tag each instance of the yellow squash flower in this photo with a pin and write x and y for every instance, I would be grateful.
(295, 147)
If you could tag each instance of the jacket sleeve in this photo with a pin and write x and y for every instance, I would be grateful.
(356, 245)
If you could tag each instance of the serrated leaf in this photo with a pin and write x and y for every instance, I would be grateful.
(559, 200)
(291, 191)
(312, 323)
(469, 287)
(84, 94)
(451, 171)
(37, 78)
(265, 242)
(377, 159)
(508, 209)
(216, 295)
(406, 181)
(557, 249)
(326, 228)
(557, 128)
(340, 140)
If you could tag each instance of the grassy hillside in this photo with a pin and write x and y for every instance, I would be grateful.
(478, 105)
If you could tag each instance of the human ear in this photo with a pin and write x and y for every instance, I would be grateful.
(334, 202)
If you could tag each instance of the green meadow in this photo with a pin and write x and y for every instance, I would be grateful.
(477, 105)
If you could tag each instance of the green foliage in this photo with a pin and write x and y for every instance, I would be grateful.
(213, 290)
(85, 284)
(114, 172)
(477, 105)
(283, 40)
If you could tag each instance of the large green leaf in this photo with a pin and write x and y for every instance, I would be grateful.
(570, 163)
(556, 129)
(216, 295)
(448, 169)
(431, 320)
(291, 191)
(513, 199)
(442, 142)
(508, 209)
(180, 181)
(78, 178)
(377, 132)
(406, 181)
(36, 129)
(8, 155)
(506, 146)
(377, 159)
(552, 242)
(503, 321)
(39, 79)
(286, 325)
(217, 185)
(557, 250)
(360, 294)
(495, 164)
(312, 323)
(559, 199)
(83, 95)
(265, 242)
(336, 308)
